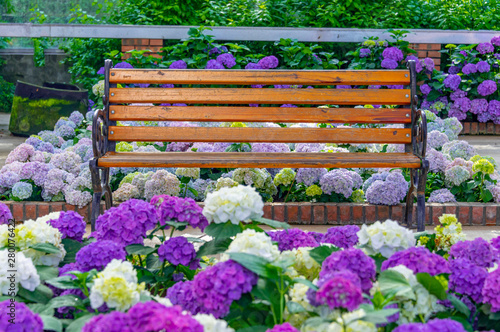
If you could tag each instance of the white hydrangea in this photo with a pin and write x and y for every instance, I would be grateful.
(33, 232)
(254, 243)
(298, 294)
(50, 216)
(418, 304)
(116, 286)
(26, 274)
(235, 204)
(193, 173)
(211, 324)
(305, 264)
(162, 300)
(385, 238)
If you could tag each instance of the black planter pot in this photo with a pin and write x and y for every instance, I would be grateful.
(36, 108)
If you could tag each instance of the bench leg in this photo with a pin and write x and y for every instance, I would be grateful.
(421, 196)
(409, 198)
(97, 188)
(108, 197)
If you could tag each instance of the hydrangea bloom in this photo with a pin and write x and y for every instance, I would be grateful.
(234, 204)
(67, 161)
(483, 67)
(25, 319)
(387, 192)
(115, 321)
(436, 139)
(340, 292)
(227, 59)
(127, 223)
(459, 149)
(254, 243)
(161, 183)
(70, 224)
(211, 324)
(467, 278)
(389, 64)
(284, 177)
(487, 87)
(214, 64)
(442, 196)
(26, 275)
(340, 181)
(314, 190)
(491, 290)
(5, 214)
(419, 260)
(309, 176)
(179, 64)
(484, 48)
(295, 238)
(170, 208)
(125, 192)
(22, 190)
(285, 327)
(97, 255)
(444, 325)
(385, 238)
(179, 251)
(21, 153)
(452, 81)
(193, 173)
(268, 62)
(364, 52)
(342, 237)
(469, 68)
(478, 251)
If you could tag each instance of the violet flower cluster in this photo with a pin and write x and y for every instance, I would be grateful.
(70, 224)
(419, 260)
(97, 255)
(171, 208)
(179, 251)
(342, 237)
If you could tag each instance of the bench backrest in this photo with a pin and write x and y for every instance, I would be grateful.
(232, 105)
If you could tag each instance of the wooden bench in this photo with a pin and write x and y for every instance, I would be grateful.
(201, 100)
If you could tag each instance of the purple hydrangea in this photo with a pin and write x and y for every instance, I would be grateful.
(437, 160)
(5, 214)
(467, 278)
(34, 141)
(494, 110)
(389, 191)
(389, 64)
(179, 251)
(425, 89)
(418, 64)
(364, 52)
(76, 117)
(182, 294)
(21, 153)
(340, 181)
(463, 104)
(227, 59)
(478, 251)
(340, 292)
(171, 208)
(452, 82)
(285, 327)
(469, 68)
(309, 176)
(342, 237)
(354, 260)
(98, 254)
(127, 223)
(179, 64)
(442, 196)
(483, 67)
(453, 70)
(487, 87)
(252, 65)
(393, 53)
(491, 290)
(270, 147)
(268, 62)
(428, 64)
(36, 171)
(495, 40)
(115, 321)
(478, 106)
(9, 178)
(70, 224)
(419, 260)
(444, 325)
(25, 319)
(458, 94)
(436, 139)
(495, 242)
(213, 64)
(484, 48)
(411, 327)
(295, 238)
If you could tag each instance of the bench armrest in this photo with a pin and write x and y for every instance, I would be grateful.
(99, 134)
(419, 134)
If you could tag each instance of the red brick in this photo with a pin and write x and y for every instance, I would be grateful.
(490, 128)
(305, 214)
(126, 48)
(437, 211)
(128, 41)
(18, 212)
(477, 214)
(268, 211)
(154, 48)
(433, 54)
(279, 211)
(466, 128)
(156, 42)
(473, 128)
(30, 211)
(422, 54)
(155, 55)
(370, 213)
(463, 215)
(397, 213)
(69, 207)
(382, 212)
(43, 209)
(83, 212)
(435, 47)
(345, 213)
(357, 214)
(482, 128)
(292, 212)
(319, 214)
(450, 209)
(497, 129)
(437, 61)
(331, 213)
(491, 215)
(428, 215)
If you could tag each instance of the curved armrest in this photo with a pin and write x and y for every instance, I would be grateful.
(419, 134)
(99, 133)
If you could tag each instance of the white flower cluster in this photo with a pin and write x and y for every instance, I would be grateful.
(211, 324)
(254, 243)
(26, 274)
(303, 262)
(193, 173)
(98, 88)
(385, 238)
(298, 294)
(116, 286)
(33, 232)
(418, 304)
(234, 204)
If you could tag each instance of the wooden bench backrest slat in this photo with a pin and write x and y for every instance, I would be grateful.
(271, 77)
(260, 114)
(261, 96)
(284, 135)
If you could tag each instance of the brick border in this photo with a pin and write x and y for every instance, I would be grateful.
(480, 128)
(469, 214)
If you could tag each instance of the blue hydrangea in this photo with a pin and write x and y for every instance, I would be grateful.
(388, 192)
(22, 190)
(76, 117)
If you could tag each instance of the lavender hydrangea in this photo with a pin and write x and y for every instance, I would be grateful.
(469, 68)
(437, 160)
(442, 196)
(21, 153)
(67, 161)
(70, 224)
(179, 251)
(294, 238)
(25, 319)
(388, 192)
(268, 62)
(479, 106)
(389, 64)
(341, 237)
(170, 208)
(127, 223)
(340, 181)
(467, 278)
(491, 290)
(213, 64)
(36, 171)
(393, 53)
(227, 59)
(478, 251)
(484, 48)
(340, 292)
(456, 175)
(5, 214)
(8, 179)
(354, 260)
(97, 255)
(309, 147)
(459, 149)
(364, 52)
(419, 260)
(270, 147)
(452, 81)
(179, 64)
(115, 321)
(436, 139)
(425, 89)
(182, 294)
(50, 137)
(494, 110)
(309, 176)
(487, 87)
(483, 67)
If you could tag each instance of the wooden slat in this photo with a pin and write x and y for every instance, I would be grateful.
(247, 77)
(260, 114)
(259, 160)
(260, 96)
(285, 135)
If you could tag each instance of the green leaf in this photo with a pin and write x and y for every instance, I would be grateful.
(433, 95)
(71, 247)
(319, 254)
(176, 224)
(78, 324)
(294, 307)
(213, 247)
(256, 328)
(459, 305)
(272, 223)
(47, 272)
(153, 262)
(464, 323)
(41, 309)
(305, 282)
(65, 301)
(486, 195)
(42, 294)
(46, 247)
(139, 249)
(254, 263)
(379, 316)
(51, 323)
(392, 282)
(432, 285)
(64, 282)
(223, 231)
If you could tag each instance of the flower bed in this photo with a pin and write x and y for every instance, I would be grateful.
(381, 277)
